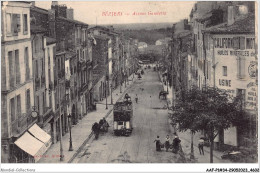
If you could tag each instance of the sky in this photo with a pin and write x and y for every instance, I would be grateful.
(123, 12)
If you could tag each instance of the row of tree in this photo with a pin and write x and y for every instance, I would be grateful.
(210, 110)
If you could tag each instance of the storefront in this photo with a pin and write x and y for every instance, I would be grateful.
(31, 146)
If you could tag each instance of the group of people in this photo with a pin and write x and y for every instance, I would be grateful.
(175, 146)
(128, 98)
(101, 126)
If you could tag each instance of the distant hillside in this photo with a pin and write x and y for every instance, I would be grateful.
(144, 32)
(138, 26)
(148, 36)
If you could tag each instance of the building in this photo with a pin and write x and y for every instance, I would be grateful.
(232, 47)
(19, 113)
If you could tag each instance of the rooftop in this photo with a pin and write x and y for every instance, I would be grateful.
(37, 29)
(246, 24)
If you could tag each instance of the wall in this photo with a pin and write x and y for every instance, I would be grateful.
(17, 8)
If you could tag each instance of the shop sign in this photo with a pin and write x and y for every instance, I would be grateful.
(225, 82)
(251, 96)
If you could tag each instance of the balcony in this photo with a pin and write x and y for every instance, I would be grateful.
(47, 114)
(21, 124)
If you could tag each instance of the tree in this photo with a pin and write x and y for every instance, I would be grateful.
(210, 110)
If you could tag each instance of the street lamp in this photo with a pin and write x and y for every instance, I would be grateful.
(61, 149)
(106, 93)
(70, 148)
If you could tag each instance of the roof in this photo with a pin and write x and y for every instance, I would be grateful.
(73, 21)
(102, 37)
(184, 33)
(41, 10)
(37, 29)
(50, 40)
(243, 25)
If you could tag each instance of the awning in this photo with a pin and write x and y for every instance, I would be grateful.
(40, 134)
(31, 145)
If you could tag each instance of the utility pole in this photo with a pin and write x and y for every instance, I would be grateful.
(106, 93)
(61, 149)
(111, 94)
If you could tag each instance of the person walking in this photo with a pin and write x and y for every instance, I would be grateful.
(200, 145)
(167, 143)
(158, 143)
(136, 98)
(176, 144)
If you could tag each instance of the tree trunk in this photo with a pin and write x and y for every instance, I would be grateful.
(192, 148)
(211, 145)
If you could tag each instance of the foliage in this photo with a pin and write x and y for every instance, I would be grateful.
(210, 110)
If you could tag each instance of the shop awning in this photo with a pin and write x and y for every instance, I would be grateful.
(40, 134)
(31, 145)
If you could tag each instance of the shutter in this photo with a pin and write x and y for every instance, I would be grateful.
(14, 23)
(17, 67)
(18, 110)
(11, 69)
(236, 43)
(242, 43)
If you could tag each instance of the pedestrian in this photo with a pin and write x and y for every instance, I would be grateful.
(175, 144)
(167, 143)
(200, 146)
(158, 143)
(136, 98)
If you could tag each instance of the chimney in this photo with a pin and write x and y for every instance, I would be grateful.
(231, 15)
(33, 3)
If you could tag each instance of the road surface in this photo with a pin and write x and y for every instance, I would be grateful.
(150, 120)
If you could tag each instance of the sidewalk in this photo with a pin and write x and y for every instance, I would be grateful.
(186, 138)
(82, 132)
(186, 146)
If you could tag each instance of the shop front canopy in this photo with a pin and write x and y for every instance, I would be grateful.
(40, 134)
(31, 145)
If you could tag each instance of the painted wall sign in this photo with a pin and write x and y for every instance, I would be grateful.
(235, 53)
(225, 82)
(251, 96)
(252, 69)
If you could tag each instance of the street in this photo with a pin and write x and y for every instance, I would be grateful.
(150, 120)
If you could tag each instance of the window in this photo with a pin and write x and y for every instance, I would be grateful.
(16, 24)
(11, 69)
(250, 43)
(17, 67)
(8, 23)
(26, 60)
(25, 24)
(18, 106)
(28, 101)
(240, 67)
(12, 109)
(224, 70)
(239, 43)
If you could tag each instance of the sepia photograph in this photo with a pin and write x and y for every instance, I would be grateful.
(126, 83)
